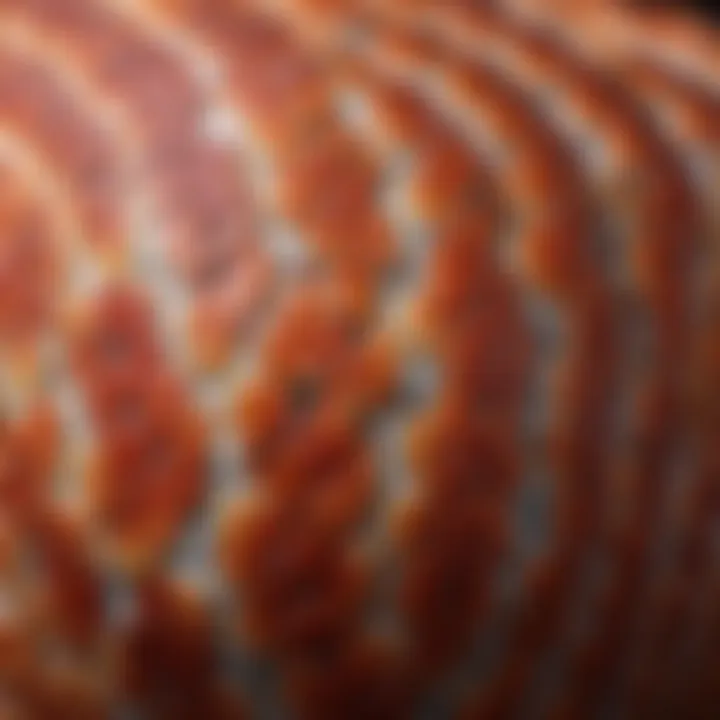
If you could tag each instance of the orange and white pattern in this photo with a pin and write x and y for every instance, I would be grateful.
(359, 360)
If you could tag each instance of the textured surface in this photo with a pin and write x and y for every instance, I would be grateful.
(358, 359)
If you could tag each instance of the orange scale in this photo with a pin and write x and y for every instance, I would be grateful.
(175, 438)
(301, 590)
(277, 83)
(453, 292)
(261, 415)
(321, 443)
(27, 311)
(547, 582)
(268, 417)
(146, 486)
(448, 578)
(259, 33)
(367, 680)
(467, 238)
(17, 663)
(259, 525)
(325, 468)
(167, 106)
(698, 109)
(557, 255)
(552, 169)
(337, 497)
(454, 454)
(436, 523)
(327, 184)
(167, 643)
(138, 528)
(408, 115)
(579, 443)
(119, 410)
(285, 116)
(29, 267)
(314, 615)
(443, 601)
(406, 48)
(435, 526)
(123, 62)
(10, 546)
(355, 287)
(154, 445)
(70, 584)
(169, 659)
(464, 272)
(488, 357)
(449, 179)
(206, 240)
(217, 212)
(371, 376)
(580, 439)
(320, 352)
(493, 389)
(361, 248)
(229, 303)
(116, 341)
(266, 41)
(592, 320)
(678, 213)
(170, 155)
(46, 116)
(509, 110)
(59, 693)
(28, 451)
(309, 335)
(656, 414)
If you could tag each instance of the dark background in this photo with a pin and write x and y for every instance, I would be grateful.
(711, 8)
(708, 8)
